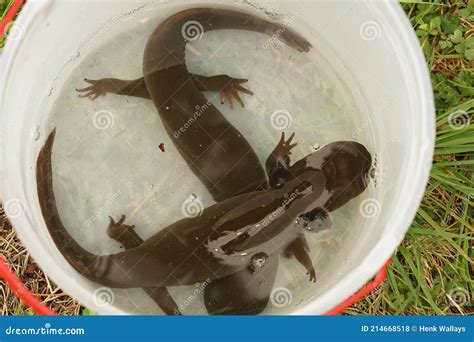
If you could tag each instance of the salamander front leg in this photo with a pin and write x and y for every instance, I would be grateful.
(128, 238)
(123, 234)
(278, 163)
(229, 87)
(99, 88)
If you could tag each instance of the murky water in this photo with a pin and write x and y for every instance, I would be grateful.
(108, 159)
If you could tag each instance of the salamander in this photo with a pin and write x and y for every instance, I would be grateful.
(215, 150)
(245, 232)
(217, 153)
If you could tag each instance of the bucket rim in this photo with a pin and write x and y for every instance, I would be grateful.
(382, 250)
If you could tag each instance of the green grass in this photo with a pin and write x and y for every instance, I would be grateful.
(4, 6)
(432, 271)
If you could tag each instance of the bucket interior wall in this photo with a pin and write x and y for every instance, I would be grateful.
(367, 45)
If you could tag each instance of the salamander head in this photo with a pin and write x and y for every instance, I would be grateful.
(347, 167)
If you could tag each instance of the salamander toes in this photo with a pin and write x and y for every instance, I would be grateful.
(115, 230)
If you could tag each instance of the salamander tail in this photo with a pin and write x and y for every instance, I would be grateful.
(82, 260)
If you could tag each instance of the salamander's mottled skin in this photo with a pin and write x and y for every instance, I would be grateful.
(214, 149)
(229, 235)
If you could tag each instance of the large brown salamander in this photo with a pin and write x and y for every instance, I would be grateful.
(245, 232)
(214, 149)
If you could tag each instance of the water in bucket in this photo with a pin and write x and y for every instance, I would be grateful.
(112, 155)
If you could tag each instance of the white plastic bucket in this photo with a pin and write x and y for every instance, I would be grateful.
(373, 42)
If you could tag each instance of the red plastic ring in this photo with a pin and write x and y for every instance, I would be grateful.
(16, 285)
(15, 7)
(39, 308)
(378, 280)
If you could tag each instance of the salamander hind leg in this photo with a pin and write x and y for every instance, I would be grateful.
(245, 292)
(129, 238)
(299, 249)
(123, 234)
